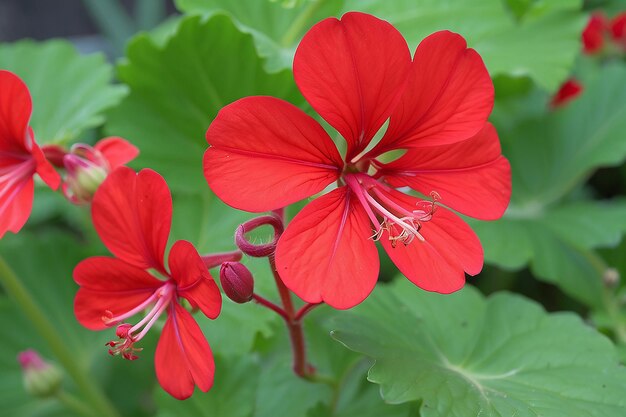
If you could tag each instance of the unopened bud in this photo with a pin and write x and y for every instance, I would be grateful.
(610, 277)
(41, 379)
(237, 282)
(83, 178)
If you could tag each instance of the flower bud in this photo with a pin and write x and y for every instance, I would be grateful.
(237, 282)
(86, 169)
(611, 277)
(41, 379)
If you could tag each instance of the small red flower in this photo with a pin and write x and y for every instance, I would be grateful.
(593, 34)
(618, 30)
(357, 73)
(20, 156)
(132, 214)
(568, 91)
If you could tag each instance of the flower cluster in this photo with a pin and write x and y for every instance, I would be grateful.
(357, 73)
(603, 35)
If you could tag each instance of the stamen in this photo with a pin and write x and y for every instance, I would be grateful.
(126, 332)
(401, 224)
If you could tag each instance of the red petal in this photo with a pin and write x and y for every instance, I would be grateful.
(618, 29)
(353, 72)
(132, 214)
(448, 98)
(108, 284)
(266, 153)
(117, 151)
(193, 279)
(16, 203)
(183, 357)
(326, 253)
(45, 169)
(437, 264)
(470, 176)
(568, 91)
(15, 110)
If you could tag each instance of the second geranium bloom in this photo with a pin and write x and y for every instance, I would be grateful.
(357, 73)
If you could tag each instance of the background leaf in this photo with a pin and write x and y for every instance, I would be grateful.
(70, 91)
(462, 354)
(546, 225)
(277, 28)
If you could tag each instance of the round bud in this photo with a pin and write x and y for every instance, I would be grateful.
(237, 282)
(41, 379)
(611, 277)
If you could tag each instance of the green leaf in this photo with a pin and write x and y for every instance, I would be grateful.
(542, 44)
(552, 155)
(70, 91)
(358, 398)
(277, 28)
(464, 355)
(176, 89)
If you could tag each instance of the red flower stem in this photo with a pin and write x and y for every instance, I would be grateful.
(266, 303)
(294, 326)
(305, 310)
(216, 259)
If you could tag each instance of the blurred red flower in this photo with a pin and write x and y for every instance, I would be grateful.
(357, 73)
(132, 214)
(600, 29)
(20, 156)
(568, 91)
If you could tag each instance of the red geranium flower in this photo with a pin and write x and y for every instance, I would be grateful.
(568, 91)
(132, 214)
(593, 35)
(356, 73)
(20, 156)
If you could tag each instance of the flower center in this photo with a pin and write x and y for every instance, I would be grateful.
(387, 215)
(129, 334)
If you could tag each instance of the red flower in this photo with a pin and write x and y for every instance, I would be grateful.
(568, 91)
(356, 73)
(20, 156)
(618, 30)
(599, 29)
(593, 35)
(132, 215)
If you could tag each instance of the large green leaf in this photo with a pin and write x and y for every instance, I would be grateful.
(70, 91)
(541, 44)
(276, 27)
(464, 355)
(176, 89)
(539, 39)
(550, 156)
